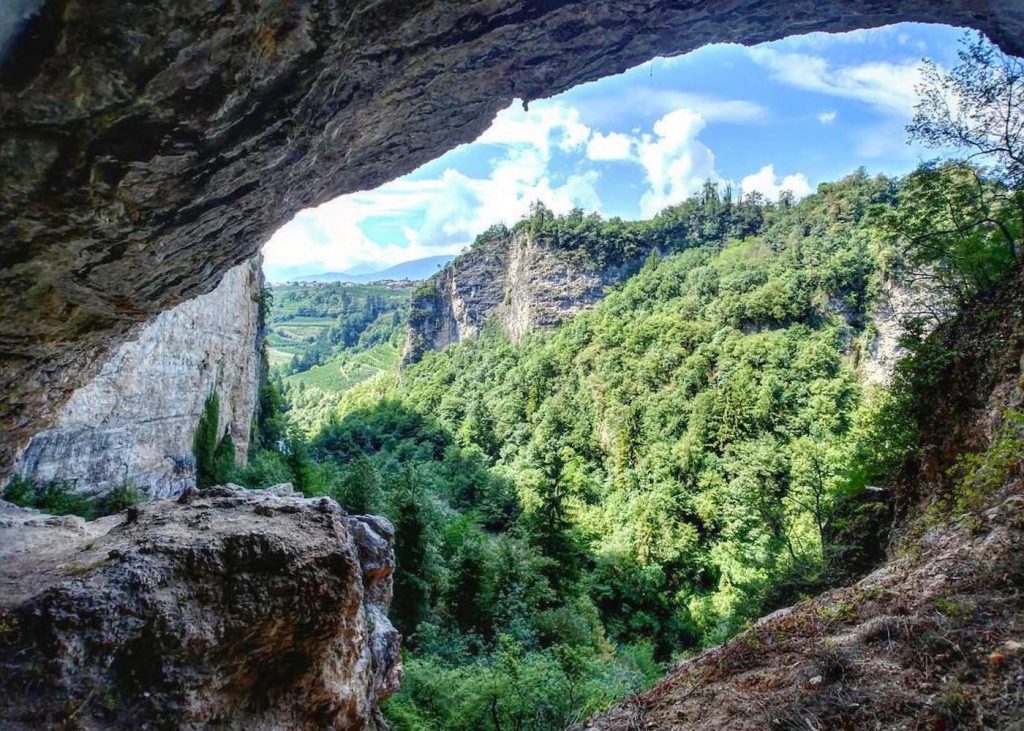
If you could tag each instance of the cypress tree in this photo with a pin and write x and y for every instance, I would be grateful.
(204, 443)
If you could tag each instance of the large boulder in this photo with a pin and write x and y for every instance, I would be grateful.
(226, 608)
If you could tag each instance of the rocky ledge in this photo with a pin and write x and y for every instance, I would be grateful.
(225, 608)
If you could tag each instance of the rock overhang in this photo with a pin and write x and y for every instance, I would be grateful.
(147, 148)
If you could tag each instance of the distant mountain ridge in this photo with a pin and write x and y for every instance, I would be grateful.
(416, 270)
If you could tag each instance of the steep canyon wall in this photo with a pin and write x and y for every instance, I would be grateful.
(521, 283)
(135, 421)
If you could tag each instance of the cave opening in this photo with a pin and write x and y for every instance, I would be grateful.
(675, 310)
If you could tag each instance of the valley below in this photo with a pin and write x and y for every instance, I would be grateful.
(748, 457)
(723, 426)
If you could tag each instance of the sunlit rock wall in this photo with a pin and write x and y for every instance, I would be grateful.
(519, 283)
(135, 421)
(902, 301)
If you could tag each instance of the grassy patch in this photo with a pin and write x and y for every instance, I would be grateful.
(59, 498)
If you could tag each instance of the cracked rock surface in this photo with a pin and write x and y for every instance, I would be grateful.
(226, 608)
(520, 282)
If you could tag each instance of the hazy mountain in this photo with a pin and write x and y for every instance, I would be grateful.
(416, 269)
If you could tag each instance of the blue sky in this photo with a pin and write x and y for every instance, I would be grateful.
(786, 115)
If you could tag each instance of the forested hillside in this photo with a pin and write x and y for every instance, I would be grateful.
(574, 511)
(545, 269)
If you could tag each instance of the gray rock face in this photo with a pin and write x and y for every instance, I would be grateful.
(518, 282)
(902, 299)
(227, 609)
(136, 419)
(146, 148)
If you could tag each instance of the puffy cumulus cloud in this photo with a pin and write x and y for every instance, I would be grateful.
(505, 196)
(440, 215)
(886, 86)
(540, 127)
(675, 162)
(827, 117)
(612, 146)
(765, 182)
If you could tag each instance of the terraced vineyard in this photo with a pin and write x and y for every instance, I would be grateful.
(331, 336)
(347, 368)
(294, 338)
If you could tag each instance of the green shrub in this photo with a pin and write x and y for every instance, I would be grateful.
(19, 491)
(979, 475)
(224, 461)
(204, 443)
(120, 498)
(59, 498)
(266, 468)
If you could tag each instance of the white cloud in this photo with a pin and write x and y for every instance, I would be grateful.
(714, 109)
(538, 128)
(765, 182)
(888, 87)
(612, 146)
(651, 101)
(675, 161)
(443, 214)
(827, 117)
(329, 237)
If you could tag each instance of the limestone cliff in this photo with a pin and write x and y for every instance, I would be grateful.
(512, 278)
(135, 420)
(901, 300)
(225, 609)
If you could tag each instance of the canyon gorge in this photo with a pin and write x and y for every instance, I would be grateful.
(147, 153)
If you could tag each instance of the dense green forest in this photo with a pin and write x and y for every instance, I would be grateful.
(574, 511)
(643, 480)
